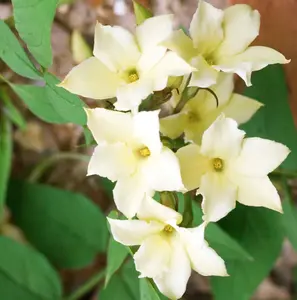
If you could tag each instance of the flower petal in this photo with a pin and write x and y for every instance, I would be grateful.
(162, 172)
(129, 96)
(133, 232)
(112, 161)
(181, 44)
(170, 65)
(128, 194)
(150, 209)
(92, 79)
(153, 256)
(153, 31)
(258, 191)
(115, 47)
(219, 196)
(259, 157)
(110, 126)
(146, 130)
(241, 108)
(223, 88)
(174, 282)
(174, 125)
(149, 59)
(241, 26)
(192, 164)
(204, 259)
(205, 76)
(206, 28)
(222, 139)
(253, 59)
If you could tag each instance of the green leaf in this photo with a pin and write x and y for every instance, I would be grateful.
(26, 274)
(5, 157)
(260, 232)
(33, 20)
(147, 291)
(290, 216)
(141, 12)
(116, 255)
(11, 111)
(67, 105)
(14, 55)
(36, 100)
(274, 121)
(67, 227)
(124, 285)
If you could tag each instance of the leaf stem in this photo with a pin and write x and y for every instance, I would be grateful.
(87, 286)
(42, 167)
(188, 211)
(284, 173)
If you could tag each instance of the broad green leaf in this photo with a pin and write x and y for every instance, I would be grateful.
(5, 157)
(26, 274)
(116, 255)
(14, 55)
(273, 121)
(290, 216)
(11, 111)
(147, 291)
(141, 13)
(37, 101)
(67, 227)
(260, 232)
(124, 284)
(33, 21)
(67, 105)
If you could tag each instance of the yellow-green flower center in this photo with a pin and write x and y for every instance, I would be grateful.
(218, 164)
(168, 229)
(132, 76)
(145, 152)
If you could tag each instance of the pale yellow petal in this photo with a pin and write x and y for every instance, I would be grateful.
(110, 126)
(182, 44)
(153, 256)
(241, 26)
(173, 126)
(219, 196)
(222, 139)
(205, 76)
(206, 28)
(193, 165)
(133, 232)
(92, 79)
(153, 31)
(241, 108)
(253, 59)
(116, 47)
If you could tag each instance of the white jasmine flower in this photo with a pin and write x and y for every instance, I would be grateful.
(220, 41)
(167, 252)
(127, 66)
(228, 167)
(130, 152)
(201, 111)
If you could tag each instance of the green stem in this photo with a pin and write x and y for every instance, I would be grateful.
(184, 99)
(188, 211)
(87, 287)
(42, 167)
(284, 173)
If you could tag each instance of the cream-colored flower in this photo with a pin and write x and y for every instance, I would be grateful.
(127, 66)
(201, 111)
(130, 152)
(220, 41)
(167, 252)
(228, 167)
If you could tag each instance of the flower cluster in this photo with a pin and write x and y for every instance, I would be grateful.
(188, 80)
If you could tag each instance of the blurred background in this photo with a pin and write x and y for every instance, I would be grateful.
(72, 37)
